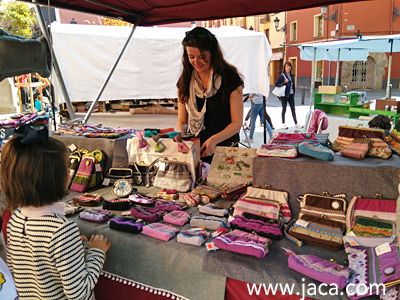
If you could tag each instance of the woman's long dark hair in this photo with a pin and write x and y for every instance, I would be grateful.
(284, 67)
(204, 40)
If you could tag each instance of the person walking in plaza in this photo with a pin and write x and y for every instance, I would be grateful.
(287, 78)
(257, 110)
(210, 93)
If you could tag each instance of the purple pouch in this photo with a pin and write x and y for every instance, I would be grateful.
(147, 213)
(169, 205)
(319, 269)
(125, 224)
(266, 227)
(95, 215)
(177, 217)
(160, 231)
(141, 199)
(244, 243)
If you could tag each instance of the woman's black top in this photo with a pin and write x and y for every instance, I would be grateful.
(218, 111)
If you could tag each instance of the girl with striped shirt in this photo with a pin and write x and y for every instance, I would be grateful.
(44, 250)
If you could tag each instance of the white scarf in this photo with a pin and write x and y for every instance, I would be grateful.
(196, 117)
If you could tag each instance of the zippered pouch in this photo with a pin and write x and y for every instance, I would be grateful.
(244, 243)
(211, 209)
(87, 199)
(126, 225)
(209, 222)
(169, 205)
(194, 236)
(95, 215)
(117, 204)
(147, 213)
(160, 231)
(137, 198)
(177, 217)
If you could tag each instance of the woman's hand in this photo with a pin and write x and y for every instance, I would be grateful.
(286, 80)
(99, 242)
(208, 148)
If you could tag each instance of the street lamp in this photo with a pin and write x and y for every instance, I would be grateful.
(332, 17)
(276, 22)
(73, 21)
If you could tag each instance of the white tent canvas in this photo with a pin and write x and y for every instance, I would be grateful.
(151, 64)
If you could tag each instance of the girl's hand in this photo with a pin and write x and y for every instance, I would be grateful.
(84, 238)
(208, 148)
(100, 242)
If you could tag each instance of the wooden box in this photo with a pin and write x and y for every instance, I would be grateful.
(327, 89)
(381, 103)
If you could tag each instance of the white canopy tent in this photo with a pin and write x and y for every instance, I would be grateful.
(351, 50)
(151, 64)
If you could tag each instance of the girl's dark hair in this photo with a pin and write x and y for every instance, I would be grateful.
(380, 121)
(33, 175)
(284, 66)
(204, 40)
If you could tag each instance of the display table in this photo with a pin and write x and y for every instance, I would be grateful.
(341, 175)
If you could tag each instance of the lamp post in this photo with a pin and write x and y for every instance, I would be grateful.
(332, 17)
(276, 22)
(73, 21)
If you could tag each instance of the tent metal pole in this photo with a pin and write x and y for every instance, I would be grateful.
(312, 79)
(389, 69)
(92, 106)
(55, 63)
(337, 69)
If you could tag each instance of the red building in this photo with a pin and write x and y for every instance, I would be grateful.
(371, 18)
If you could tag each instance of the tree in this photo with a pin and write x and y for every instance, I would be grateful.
(17, 18)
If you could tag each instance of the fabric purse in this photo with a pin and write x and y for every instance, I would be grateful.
(143, 200)
(234, 192)
(143, 169)
(95, 215)
(87, 199)
(244, 243)
(358, 148)
(171, 175)
(97, 176)
(266, 227)
(136, 174)
(316, 151)
(73, 163)
(209, 222)
(281, 197)
(82, 176)
(347, 134)
(147, 213)
(117, 204)
(115, 174)
(210, 192)
(193, 236)
(168, 205)
(160, 231)
(211, 209)
(384, 209)
(372, 271)
(122, 188)
(126, 225)
(263, 208)
(320, 269)
(177, 217)
(321, 222)
(268, 150)
(294, 139)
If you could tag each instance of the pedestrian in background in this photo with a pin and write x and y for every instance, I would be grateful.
(287, 78)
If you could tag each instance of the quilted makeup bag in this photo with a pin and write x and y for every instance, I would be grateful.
(328, 272)
(267, 193)
(169, 205)
(268, 150)
(95, 215)
(244, 243)
(321, 222)
(160, 231)
(193, 236)
(262, 226)
(126, 225)
(209, 222)
(211, 209)
(370, 271)
(147, 213)
(177, 217)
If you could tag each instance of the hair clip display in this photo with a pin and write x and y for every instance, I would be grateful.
(142, 142)
(182, 148)
(159, 146)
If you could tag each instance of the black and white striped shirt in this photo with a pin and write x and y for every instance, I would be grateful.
(46, 256)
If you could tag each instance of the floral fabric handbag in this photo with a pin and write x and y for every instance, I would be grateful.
(244, 243)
